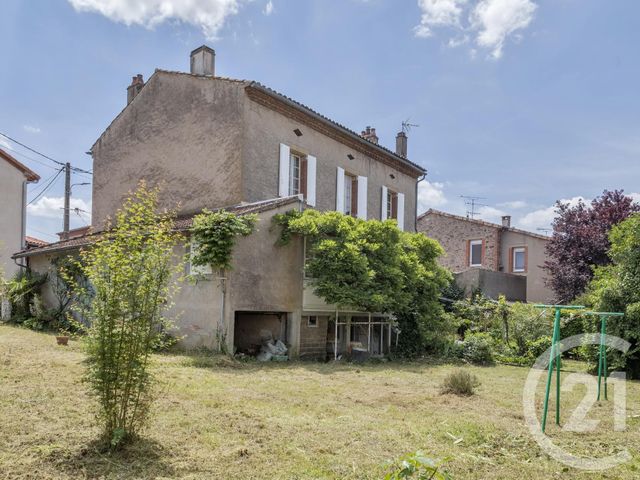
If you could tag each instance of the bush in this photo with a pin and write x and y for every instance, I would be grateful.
(419, 467)
(460, 382)
(535, 348)
(21, 290)
(478, 348)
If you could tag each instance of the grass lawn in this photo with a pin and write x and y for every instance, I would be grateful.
(216, 418)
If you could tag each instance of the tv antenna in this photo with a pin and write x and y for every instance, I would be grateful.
(546, 231)
(406, 126)
(472, 203)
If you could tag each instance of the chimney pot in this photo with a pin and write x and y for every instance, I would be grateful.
(203, 61)
(506, 221)
(401, 144)
(137, 83)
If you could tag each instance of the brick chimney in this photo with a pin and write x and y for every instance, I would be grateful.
(401, 144)
(370, 134)
(506, 221)
(136, 85)
(203, 61)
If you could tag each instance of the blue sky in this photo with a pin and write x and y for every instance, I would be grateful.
(522, 102)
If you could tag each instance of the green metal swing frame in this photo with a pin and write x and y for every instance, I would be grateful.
(555, 362)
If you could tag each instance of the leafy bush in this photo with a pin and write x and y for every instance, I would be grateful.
(21, 290)
(129, 269)
(537, 347)
(460, 382)
(478, 348)
(418, 466)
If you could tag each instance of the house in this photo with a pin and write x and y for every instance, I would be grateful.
(217, 142)
(14, 177)
(498, 259)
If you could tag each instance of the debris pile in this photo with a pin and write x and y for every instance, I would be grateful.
(270, 349)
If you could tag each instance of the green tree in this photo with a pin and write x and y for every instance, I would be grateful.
(616, 288)
(129, 269)
(373, 266)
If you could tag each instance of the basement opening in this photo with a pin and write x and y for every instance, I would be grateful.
(253, 329)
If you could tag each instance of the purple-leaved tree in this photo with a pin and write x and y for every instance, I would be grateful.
(580, 241)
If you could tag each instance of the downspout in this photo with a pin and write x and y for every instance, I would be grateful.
(415, 217)
(222, 337)
(23, 221)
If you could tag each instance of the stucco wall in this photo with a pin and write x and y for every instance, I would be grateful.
(265, 129)
(454, 234)
(181, 130)
(11, 198)
(537, 291)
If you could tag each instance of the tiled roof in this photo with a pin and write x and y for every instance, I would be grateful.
(432, 211)
(181, 224)
(28, 173)
(34, 242)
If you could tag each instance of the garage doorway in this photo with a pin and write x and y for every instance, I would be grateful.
(250, 329)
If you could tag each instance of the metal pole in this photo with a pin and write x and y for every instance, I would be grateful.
(603, 321)
(335, 340)
(67, 196)
(552, 359)
(369, 334)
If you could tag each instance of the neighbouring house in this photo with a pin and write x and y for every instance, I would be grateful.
(497, 259)
(14, 177)
(217, 142)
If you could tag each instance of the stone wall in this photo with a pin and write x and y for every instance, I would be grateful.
(454, 236)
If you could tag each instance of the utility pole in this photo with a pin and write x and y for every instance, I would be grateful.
(67, 198)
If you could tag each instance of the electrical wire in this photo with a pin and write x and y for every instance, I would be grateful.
(43, 155)
(16, 152)
(47, 187)
(42, 184)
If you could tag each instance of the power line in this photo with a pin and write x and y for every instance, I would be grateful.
(16, 152)
(43, 233)
(47, 187)
(43, 155)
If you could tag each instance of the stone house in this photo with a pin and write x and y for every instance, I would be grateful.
(217, 142)
(498, 259)
(14, 177)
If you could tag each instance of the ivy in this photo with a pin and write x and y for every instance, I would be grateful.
(372, 266)
(214, 235)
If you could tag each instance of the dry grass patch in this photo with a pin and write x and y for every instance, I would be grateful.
(217, 418)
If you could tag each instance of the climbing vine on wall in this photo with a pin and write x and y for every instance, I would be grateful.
(214, 235)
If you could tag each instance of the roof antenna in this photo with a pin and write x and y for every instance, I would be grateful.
(473, 203)
(406, 126)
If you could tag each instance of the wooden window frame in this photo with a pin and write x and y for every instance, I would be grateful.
(309, 324)
(512, 259)
(470, 244)
(351, 202)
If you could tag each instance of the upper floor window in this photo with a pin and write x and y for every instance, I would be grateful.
(475, 253)
(392, 204)
(519, 259)
(350, 195)
(297, 175)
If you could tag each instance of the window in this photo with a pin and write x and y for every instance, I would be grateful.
(294, 174)
(350, 195)
(196, 269)
(519, 259)
(475, 253)
(392, 204)
(312, 321)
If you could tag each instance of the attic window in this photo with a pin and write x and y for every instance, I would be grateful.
(297, 132)
(350, 157)
(392, 175)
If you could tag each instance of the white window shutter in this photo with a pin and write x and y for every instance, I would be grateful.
(283, 181)
(383, 203)
(311, 181)
(362, 198)
(401, 211)
(197, 269)
(340, 190)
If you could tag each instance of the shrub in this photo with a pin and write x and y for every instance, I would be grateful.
(477, 348)
(419, 467)
(460, 382)
(21, 290)
(129, 269)
(537, 347)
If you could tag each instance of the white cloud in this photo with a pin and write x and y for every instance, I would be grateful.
(497, 19)
(543, 217)
(268, 8)
(208, 15)
(52, 207)
(438, 13)
(4, 143)
(31, 129)
(490, 22)
(635, 196)
(513, 205)
(430, 195)
(490, 214)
